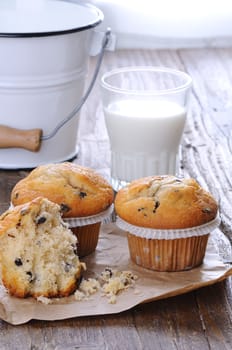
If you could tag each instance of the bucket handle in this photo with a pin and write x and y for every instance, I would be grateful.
(31, 139)
(105, 42)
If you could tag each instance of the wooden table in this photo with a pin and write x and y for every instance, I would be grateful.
(201, 319)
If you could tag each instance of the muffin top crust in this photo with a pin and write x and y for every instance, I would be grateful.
(80, 191)
(165, 202)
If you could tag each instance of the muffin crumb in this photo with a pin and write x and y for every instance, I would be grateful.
(44, 300)
(110, 282)
(116, 281)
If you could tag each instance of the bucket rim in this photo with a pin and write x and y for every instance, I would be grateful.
(97, 18)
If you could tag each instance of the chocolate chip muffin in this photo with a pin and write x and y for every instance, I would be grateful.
(165, 202)
(79, 190)
(168, 221)
(84, 195)
(38, 255)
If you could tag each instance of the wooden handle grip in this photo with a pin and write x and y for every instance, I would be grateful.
(27, 139)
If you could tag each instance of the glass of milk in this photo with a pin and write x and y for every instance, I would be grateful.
(145, 111)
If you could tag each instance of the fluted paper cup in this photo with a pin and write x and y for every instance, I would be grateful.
(87, 230)
(168, 250)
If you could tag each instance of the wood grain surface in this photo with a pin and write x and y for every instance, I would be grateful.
(197, 320)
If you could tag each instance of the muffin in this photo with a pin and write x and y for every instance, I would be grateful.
(38, 255)
(167, 220)
(85, 198)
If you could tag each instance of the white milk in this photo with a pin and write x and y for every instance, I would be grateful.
(144, 137)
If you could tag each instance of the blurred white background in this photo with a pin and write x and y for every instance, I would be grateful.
(167, 23)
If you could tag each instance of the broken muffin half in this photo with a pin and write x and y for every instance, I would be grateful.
(38, 255)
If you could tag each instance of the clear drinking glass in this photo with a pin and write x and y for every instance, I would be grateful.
(145, 111)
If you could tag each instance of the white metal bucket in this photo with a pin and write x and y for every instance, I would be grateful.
(43, 66)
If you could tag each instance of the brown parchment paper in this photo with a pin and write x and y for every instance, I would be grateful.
(112, 251)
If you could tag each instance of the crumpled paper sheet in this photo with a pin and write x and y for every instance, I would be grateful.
(112, 251)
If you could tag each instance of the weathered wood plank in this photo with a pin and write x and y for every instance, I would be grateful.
(207, 142)
(215, 311)
(161, 327)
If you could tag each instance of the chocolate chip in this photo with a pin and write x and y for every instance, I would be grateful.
(107, 269)
(64, 208)
(157, 204)
(31, 278)
(74, 249)
(125, 281)
(40, 220)
(67, 267)
(140, 209)
(82, 194)
(18, 262)
(18, 224)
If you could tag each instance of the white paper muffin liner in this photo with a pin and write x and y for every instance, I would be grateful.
(149, 233)
(88, 220)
